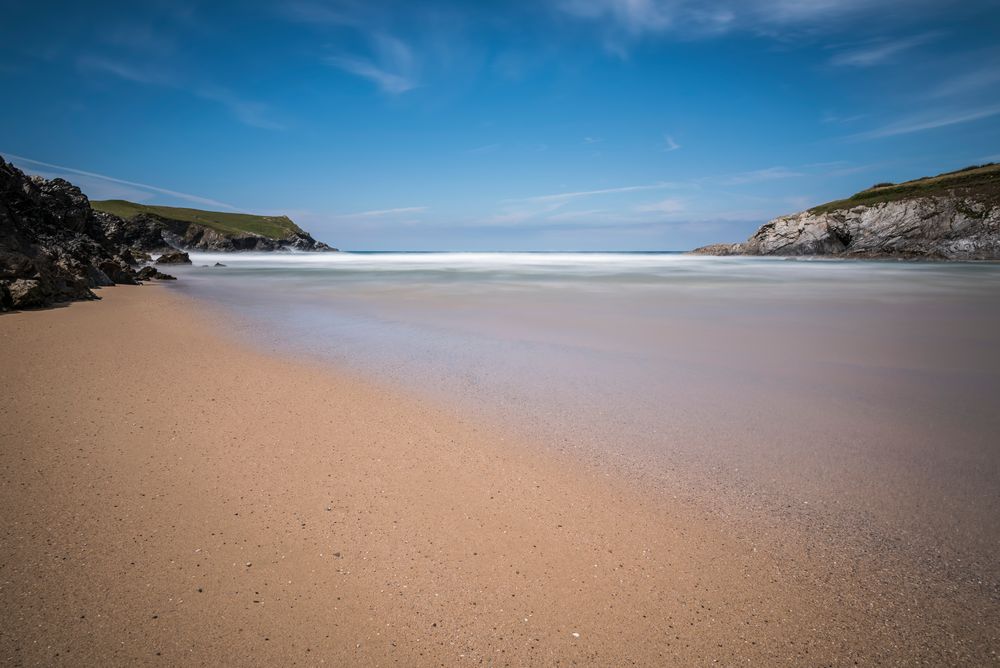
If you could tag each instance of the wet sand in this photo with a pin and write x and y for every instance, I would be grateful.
(172, 495)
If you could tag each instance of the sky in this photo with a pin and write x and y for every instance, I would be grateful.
(539, 125)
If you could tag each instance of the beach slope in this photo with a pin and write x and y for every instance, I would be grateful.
(170, 495)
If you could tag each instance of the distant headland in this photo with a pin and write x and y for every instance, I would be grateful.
(951, 216)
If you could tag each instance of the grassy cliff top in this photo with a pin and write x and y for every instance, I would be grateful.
(275, 227)
(982, 177)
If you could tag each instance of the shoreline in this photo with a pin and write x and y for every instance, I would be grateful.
(189, 498)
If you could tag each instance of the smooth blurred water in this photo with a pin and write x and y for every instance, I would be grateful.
(869, 387)
(479, 272)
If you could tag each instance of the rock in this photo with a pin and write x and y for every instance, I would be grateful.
(149, 273)
(219, 264)
(155, 233)
(143, 234)
(52, 244)
(174, 257)
(931, 228)
(26, 293)
(118, 270)
(719, 249)
(953, 216)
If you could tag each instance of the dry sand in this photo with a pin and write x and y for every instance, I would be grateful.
(172, 496)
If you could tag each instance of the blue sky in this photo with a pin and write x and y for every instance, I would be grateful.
(553, 124)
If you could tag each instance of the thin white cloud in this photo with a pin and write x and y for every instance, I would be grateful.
(592, 140)
(880, 52)
(254, 114)
(761, 175)
(392, 66)
(248, 112)
(145, 186)
(576, 215)
(830, 117)
(929, 122)
(126, 71)
(317, 13)
(488, 148)
(669, 205)
(624, 20)
(669, 144)
(979, 80)
(567, 196)
(390, 82)
(381, 213)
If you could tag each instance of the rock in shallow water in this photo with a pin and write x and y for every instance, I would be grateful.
(149, 273)
(174, 257)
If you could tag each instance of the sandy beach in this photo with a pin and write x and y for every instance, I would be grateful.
(172, 495)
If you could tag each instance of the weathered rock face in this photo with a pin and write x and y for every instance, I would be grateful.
(149, 273)
(142, 233)
(198, 237)
(174, 257)
(52, 245)
(961, 224)
(156, 234)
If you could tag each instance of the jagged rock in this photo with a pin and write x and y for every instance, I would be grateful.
(719, 249)
(52, 245)
(26, 293)
(157, 232)
(118, 270)
(219, 264)
(149, 273)
(174, 257)
(142, 234)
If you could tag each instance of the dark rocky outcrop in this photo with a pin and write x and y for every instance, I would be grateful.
(198, 237)
(174, 257)
(52, 244)
(149, 273)
(953, 216)
(156, 229)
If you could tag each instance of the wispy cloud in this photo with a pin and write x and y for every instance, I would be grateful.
(319, 13)
(592, 140)
(124, 70)
(570, 216)
(487, 148)
(831, 117)
(669, 144)
(567, 196)
(254, 114)
(391, 66)
(761, 175)
(978, 80)
(879, 52)
(669, 205)
(144, 186)
(624, 20)
(923, 122)
(383, 213)
(248, 112)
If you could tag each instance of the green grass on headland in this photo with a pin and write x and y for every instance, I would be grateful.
(979, 178)
(275, 227)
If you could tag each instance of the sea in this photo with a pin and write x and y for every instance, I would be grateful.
(855, 397)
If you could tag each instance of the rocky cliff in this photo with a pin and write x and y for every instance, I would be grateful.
(154, 229)
(55, 246)
(52, 244)
(953, 216)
